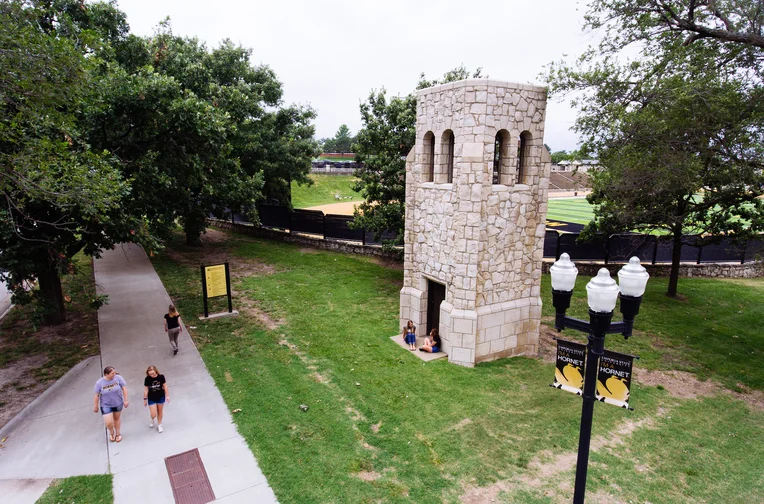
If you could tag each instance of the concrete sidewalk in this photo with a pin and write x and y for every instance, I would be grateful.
(5, 300)
(132, 337)
(58, 435)
(55, 436)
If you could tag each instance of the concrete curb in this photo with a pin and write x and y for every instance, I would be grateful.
(31, 407)
(6, 312)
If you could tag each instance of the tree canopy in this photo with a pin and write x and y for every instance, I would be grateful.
(341, 142)
(59, 196)
(106, 137)
(678, 127)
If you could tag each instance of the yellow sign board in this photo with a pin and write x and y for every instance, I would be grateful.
(215, 279)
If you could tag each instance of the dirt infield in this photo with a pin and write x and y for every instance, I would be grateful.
(347, 207)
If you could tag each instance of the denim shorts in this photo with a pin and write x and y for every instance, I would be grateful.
(110, 409)
(160, 401)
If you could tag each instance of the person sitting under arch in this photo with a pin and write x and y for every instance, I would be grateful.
(432, 344)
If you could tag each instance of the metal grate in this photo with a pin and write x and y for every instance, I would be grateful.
(188, 478)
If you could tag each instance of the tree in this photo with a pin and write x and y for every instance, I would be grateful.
(382, 144)
(59, 196)
(342, 141)
(199, 131)
(679, 129)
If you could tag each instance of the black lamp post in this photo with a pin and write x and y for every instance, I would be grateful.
(602, 294)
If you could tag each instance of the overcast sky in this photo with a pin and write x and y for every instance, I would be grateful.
(330, 54)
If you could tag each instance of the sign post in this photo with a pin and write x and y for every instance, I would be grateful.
(216, 282)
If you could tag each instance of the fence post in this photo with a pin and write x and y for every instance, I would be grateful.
(745, 249)
(289, 221)
(324, 225)
(363, 236)
(557, 248)
(655, 250)
(700, 253)
(607, 249)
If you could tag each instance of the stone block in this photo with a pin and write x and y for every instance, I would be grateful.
(464, 326)
(497, 346)
(491, 333)
(461, 354)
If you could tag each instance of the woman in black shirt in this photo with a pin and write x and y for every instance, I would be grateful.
(172, 327)
(155, 394)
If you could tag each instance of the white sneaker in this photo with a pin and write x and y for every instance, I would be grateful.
(151, 424)
(159, 428)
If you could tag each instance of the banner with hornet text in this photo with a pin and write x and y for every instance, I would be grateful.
(571, 361)
(614, 379)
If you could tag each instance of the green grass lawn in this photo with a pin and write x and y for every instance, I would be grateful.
(711, 329)
(79, 489)
(382, 426)
(576, 210)
(323, 190)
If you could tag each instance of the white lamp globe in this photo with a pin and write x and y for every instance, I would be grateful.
(564, 274)
(633, 278)
(602, 292)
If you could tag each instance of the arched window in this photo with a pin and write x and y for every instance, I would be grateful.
(523, 151)
(498, 150)
(500, 158)
(428, 160)
(448, 144)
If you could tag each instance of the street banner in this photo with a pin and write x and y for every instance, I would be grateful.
(571, 360)
(614, 379)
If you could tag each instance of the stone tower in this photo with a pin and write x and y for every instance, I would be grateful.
(476, 201)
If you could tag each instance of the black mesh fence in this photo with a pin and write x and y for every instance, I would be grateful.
(273, 216)
(754, 249)
(689, 249)
(622, 247)
(550, 243)
(240, 218)
(594, 251)
(386, 236)
(726, 251)
(337, 227)
(307, 221)
(617, 248)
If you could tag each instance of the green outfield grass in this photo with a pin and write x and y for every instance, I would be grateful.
(576, 210)
(323, 191)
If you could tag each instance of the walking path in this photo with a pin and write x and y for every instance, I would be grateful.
(61, 436)
(5, 300)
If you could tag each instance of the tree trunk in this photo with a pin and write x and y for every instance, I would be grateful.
(676, 256)
(194, 224)
(193, 238)
(51, 296)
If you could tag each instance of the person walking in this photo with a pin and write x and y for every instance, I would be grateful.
(111, 392)
(155, 393)
(172, 327)
(409, 335)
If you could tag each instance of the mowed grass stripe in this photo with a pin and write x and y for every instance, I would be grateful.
(576, 210)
